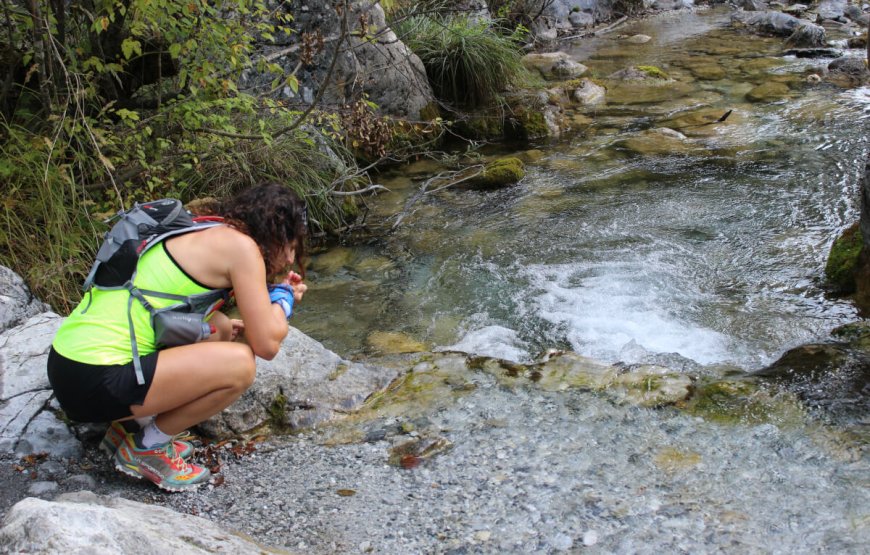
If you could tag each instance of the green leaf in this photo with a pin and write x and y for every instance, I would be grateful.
(131, 46)
(174, 50)
(293, 83)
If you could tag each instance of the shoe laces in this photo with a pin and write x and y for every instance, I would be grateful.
(174, 456)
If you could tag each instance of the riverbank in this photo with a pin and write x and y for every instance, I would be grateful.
(513, 459)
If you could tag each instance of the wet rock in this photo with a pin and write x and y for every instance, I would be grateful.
(588, 93)
(332, 260)
(651, 386)
(639, 73)
(502, 172)
(752, 5)
(768, 92)
(303, 385)
(842, 265)
(769, 22)
(646, 91)
(17, 303)
(813, 52)
(740, 401)
(831, 10)
(848, 72)
(656, 142)
(807, 36)
(795, 9)
(568, 69)
(83, 522)
(553, 65)
(638, 39)
(672, 460)
(857, 42)
(393, 343)
(831, 377)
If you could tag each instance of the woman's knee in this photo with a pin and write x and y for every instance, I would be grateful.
(243, 369)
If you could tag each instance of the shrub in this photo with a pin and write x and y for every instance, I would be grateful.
(468, 63)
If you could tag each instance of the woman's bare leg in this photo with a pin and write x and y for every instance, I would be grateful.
(193, 382)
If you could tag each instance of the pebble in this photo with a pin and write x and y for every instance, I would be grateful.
(41, 488)
(562, 542)
(590, 538)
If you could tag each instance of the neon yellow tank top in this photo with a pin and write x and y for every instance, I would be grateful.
(100, 333)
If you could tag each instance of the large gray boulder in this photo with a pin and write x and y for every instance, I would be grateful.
(17, 303)
(26, 424)
(372, 62)
(84, 522)
(305, 385)
(800, 33)
(831, 10)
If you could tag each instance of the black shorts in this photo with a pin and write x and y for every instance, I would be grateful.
(98, 393)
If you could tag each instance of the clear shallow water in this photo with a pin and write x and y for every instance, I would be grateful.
(713, 249)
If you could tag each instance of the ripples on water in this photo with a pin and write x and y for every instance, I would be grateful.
(715, 253)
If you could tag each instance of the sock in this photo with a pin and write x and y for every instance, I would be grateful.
(151, 436)
(143, 421)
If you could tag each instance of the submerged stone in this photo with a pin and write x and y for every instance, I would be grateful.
(332, 260)
(394, 342)
(740, 402)
(768, 92)
(655, 142)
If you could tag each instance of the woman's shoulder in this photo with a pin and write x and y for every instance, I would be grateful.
(224, 237)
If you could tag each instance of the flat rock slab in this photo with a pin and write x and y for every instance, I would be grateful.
(84, 522)
(23, 355)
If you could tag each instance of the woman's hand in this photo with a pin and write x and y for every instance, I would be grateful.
(238, 327)
(294, 280)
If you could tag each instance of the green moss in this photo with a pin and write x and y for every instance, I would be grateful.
(482, 127)
(277, 414)
(843, 260)
(740, 402)
(528, 124)
(504, 171)
(430, 112)
(654, 72)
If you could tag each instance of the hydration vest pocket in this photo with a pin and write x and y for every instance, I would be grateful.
(173, 328)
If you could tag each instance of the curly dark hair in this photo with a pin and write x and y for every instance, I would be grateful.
(273, 215)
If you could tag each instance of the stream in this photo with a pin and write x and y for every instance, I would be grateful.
(703, 253)
(618, 248)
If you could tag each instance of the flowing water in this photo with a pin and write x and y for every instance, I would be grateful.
(622, 244)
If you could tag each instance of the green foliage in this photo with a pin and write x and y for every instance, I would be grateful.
(104, 102)
(468, 63)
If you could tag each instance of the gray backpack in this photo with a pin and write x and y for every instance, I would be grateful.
(135, 231)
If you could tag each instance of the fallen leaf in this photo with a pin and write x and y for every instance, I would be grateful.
(346, 492)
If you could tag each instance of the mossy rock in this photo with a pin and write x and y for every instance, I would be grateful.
(481, 126)
(768, 92)
(740, 402)
(654, 72)
(502, 172)
(843, 260)
(394, 342)
(527, 125)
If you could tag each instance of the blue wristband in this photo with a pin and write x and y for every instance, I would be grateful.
(282, 295)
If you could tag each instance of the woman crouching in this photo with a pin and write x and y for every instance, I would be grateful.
(91, 366)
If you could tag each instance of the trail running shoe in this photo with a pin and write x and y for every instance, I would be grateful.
(115, 436)
(161, 465)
